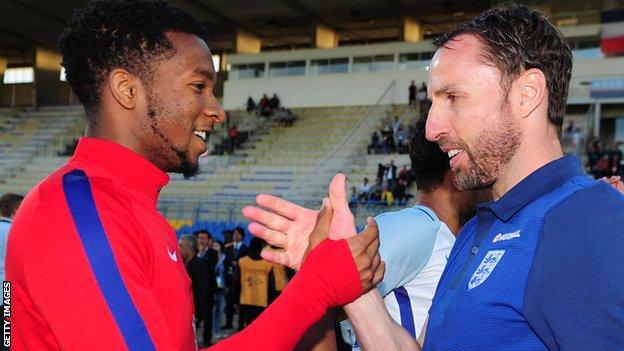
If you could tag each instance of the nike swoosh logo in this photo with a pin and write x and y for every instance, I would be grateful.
(172, 255)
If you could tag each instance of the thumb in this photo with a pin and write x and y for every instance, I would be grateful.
(321, 229)
(343, 224)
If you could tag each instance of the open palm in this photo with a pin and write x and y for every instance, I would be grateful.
(288, 226)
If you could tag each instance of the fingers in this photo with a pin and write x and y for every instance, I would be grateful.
(271, 236)
(343, 224)
(370, 235)
(268, 219)
(274, 256)
(321, 229)
(280, 206)
(379, 273)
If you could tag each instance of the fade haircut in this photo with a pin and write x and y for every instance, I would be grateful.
(517, 39)
(429, 162)
(9, 204)
(111, 34)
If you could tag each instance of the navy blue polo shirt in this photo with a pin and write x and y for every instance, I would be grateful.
(541, 268)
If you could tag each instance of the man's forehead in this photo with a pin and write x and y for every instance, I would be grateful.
(460, 59)
(191, 50)
(465, 47)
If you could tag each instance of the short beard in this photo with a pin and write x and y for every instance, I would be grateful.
(492, 152)
(166, 147)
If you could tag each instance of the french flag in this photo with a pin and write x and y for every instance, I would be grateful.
(612, 38)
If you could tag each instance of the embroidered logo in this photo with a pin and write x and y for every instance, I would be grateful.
(507, 236)
(486, 267)
(172, 255)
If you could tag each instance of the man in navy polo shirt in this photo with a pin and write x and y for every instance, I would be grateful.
(540, 267)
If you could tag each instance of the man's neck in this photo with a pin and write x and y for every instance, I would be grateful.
(441, 202)
(529, 158)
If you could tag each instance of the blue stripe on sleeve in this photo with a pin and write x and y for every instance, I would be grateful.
(405, 309)
(84, 213)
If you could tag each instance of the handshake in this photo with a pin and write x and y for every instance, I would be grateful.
(313, 242)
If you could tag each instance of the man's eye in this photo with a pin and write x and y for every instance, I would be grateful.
(200, 86)
(451, 98)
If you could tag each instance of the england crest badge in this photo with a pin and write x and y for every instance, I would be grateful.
(485, 268)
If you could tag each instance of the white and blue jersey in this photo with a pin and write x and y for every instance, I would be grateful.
(538, 269)
(414, 244)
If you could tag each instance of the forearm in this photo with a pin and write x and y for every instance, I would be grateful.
(282, 324)
(374, 328)
(320, 336)
(303, 302)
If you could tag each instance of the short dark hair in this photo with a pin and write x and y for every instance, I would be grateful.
(9, 204)
(240, 230)
(202, 231)
(191, 241)
(110, 34)
(429, 162)
(518, 39)
(256, 245)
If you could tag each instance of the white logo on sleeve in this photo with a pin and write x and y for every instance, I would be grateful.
(172, 255)
(507, 236)
(486, 267)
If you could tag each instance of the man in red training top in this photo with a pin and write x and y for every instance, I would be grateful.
(105, 272)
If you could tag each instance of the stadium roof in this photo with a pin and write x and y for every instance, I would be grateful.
(280, 24)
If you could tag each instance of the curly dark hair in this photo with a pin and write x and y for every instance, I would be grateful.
(9, 204)
(518, 39)
(429, 162)
(110, 34)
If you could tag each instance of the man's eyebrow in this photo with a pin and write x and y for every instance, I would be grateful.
(445, 89)
(205, 72)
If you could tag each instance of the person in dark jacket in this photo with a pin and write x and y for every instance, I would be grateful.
(197, 270)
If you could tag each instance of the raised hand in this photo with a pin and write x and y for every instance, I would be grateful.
(288, 226)
(283, 224)
(343, 223)
(323, 254)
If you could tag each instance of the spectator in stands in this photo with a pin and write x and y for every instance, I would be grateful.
(375, 192)
(391, 174)
(280, 276)
(210, 257)
(9, 203)
(402, 140)
(381, 170)
(365, 190)
(274, 103)
(265, 110)
(400, 192)
(374, 145)
(412, 95)
(197, 270)
(289, 118)
(233, 252)
(388, 145)
(394, 127)
(257, 283)
(353, 199)
(219, 296)
(251, 105)
(233, 138)
(404, 174)
(285, 117)
(204, 246)
(421, 96)
(387, 197)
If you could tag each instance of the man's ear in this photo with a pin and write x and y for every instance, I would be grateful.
(123, 87)
(532, 85)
